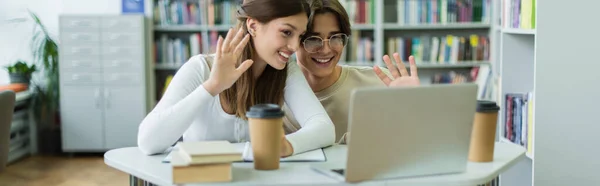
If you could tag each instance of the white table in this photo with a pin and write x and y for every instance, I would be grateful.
(152, 170)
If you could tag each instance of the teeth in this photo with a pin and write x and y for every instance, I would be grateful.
(323, 60)
(284, 55)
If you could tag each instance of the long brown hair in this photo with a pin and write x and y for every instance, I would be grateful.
(269, 86)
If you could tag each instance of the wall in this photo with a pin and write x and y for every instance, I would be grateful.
(567, 94)
(14, 44)
(91, 6)
(16, 36)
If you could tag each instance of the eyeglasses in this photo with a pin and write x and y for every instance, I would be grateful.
(313, 44)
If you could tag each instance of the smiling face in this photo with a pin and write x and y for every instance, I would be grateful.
(278, 39)
(321, 60)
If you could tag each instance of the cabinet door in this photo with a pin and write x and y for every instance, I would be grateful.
(124, 111)
(82, 118)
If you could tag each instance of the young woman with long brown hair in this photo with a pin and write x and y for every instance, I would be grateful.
(210, 94)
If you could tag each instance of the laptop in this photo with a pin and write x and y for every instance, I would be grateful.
(407, 132)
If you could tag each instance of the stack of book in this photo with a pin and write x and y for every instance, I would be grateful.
(204, 161)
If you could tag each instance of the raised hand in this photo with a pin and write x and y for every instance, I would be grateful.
(225, 71)
(400, 76)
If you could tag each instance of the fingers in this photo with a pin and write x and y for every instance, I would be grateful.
(225, 46)
(244, 66)
(413, 66)
(386, 80)
(219, 44)
(400, 65)
(238, 36)
(391, 67)
(240, 46)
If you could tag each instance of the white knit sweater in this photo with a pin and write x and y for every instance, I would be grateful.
(187, 109)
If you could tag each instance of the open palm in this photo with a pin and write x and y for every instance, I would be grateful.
(226, 70)
(400, 77)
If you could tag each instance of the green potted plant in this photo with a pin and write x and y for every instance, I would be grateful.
(46, 93)
(20, 72)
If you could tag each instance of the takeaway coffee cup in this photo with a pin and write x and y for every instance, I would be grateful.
(484, 132)
(266, 130)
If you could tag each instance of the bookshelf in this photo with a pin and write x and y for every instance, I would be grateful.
(191, 28)
(425, 26)
(519, 31)
(183, 28)
(564, 124)
(378, 27)
(517, 62)
(426, 29)
(519, 57)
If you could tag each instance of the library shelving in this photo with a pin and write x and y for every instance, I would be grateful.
(528, 59)
(452, 40)
(184, 28)
(516, 92)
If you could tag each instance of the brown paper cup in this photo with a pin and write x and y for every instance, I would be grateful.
(266, 131)
(484, 132)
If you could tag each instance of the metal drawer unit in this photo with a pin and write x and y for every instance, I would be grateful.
(103, 81)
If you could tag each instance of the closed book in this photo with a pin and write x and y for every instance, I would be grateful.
(184, 172)
(209, 152)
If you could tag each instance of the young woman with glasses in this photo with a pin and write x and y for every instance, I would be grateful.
(321, 48)
(210, 94)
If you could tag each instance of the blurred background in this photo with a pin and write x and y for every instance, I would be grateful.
(86, 72)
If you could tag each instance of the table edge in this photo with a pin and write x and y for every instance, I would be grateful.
(155, 180)
(126, 169)
(506, 166)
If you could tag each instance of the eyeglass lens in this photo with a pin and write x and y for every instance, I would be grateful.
(315, 43)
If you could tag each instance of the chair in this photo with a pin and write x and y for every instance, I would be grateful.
(7, 107)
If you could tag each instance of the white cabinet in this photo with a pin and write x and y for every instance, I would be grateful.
(102, 81)
(82, 118)
(122, 131)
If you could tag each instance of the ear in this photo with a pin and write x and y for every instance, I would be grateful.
(251, 25)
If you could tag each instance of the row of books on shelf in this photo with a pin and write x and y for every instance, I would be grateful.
(518, 119)
(177, 50)
(450, 77)
(518, 14)
(360, 11)
(449, 49)
(481, 75)
(454, 77)
(196, 12)
(359, 49)
(426, 49)
(442, 11)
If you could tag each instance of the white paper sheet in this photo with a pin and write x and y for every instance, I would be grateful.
(310, 156)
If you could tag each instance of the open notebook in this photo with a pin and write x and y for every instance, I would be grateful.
(309, 156)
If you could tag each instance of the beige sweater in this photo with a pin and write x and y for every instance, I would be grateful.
(336, 98)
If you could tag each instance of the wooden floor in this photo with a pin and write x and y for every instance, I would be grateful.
(79, 170)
